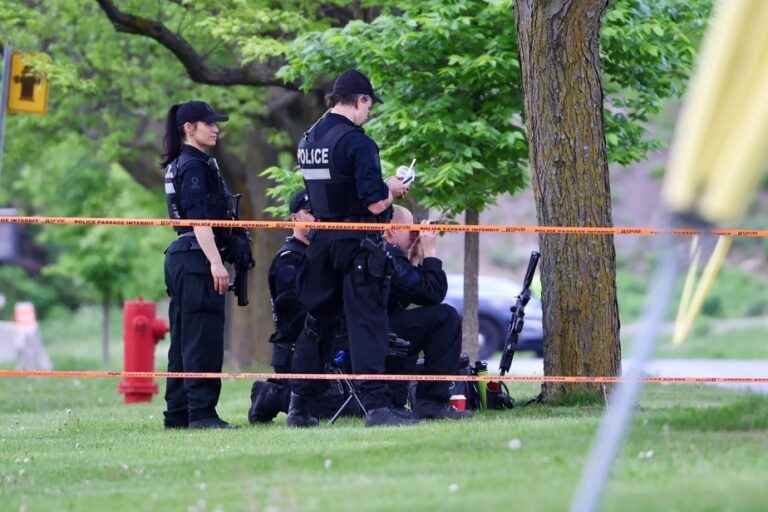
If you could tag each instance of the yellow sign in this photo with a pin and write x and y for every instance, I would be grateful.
(28, 91)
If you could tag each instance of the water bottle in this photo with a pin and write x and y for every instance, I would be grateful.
(481, 369)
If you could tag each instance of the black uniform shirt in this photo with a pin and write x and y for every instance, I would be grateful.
(358, 152)
(198, 180)
(424, 285)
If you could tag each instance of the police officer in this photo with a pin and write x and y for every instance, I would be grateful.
(270, 398)
(432, 327)
(345, 270)
(195, 276)
(288, 313)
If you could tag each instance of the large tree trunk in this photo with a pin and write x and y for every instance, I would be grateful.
(560, 62)
(248, 328)
(470, 321)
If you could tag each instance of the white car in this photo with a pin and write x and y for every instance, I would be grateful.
(497, 296)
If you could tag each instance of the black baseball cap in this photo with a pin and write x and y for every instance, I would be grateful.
(299, 201)
(193, 111)
(354, 82)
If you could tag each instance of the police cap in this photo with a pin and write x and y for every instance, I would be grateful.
(299, 201)
(193, 111)
(354, 82)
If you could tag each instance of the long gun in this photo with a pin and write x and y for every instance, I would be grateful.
(240, 255)
(518, 313)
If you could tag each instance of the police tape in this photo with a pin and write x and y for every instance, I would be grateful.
(373, 226)
(569, 379)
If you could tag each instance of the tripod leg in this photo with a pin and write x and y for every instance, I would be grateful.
(353, 393)
(341, 409)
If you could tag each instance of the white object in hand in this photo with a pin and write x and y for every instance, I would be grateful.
(406, 174)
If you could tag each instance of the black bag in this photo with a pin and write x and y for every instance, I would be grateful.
(497, 393)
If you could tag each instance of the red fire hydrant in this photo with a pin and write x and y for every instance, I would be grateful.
(141, 332)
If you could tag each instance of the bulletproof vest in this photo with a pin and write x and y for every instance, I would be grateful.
(218, 200)
(332, 191)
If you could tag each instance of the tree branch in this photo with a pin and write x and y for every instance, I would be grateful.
(257, 74)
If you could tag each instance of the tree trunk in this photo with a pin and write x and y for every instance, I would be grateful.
(106, 302)
(559, 49)
(470, 322)
(248, 328)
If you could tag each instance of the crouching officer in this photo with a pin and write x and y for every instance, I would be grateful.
(289, 315)
(195, 276)
(345, 271)
(434, 328)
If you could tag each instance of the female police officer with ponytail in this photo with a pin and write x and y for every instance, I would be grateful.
(195, 275)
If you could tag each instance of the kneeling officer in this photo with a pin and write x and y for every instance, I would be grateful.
(289, 315)
(195, 276)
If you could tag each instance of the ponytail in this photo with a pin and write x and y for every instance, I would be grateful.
(173, 137)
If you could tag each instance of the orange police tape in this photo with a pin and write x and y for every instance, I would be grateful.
(359, 226)
(94, 374)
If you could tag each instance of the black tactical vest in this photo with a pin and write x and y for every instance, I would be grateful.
(218, 200)
(332, 191)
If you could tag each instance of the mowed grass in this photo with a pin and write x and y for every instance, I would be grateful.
(71, 445)
(740, 343)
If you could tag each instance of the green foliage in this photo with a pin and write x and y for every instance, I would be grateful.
(449, 73)
(46, 292)
(109, 96)
(287, 181)
(113, 261)
(647, 52)
(450, 76)
(448, 70)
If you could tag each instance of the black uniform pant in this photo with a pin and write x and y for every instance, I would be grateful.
(282, 355)
(197, 336)
(435, 330)
(342, 274)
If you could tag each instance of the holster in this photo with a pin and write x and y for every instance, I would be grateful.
(373, 259)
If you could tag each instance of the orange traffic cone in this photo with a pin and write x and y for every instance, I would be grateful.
(25, 316)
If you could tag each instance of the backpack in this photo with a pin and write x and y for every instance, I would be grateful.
(496, 393)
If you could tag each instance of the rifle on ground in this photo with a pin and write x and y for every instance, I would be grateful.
(518, 313)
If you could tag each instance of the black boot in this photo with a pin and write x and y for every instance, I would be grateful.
(267, 401)
(434, 410)
(298, 413)
(211, 423)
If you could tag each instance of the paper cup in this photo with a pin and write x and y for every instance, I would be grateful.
(459, 402)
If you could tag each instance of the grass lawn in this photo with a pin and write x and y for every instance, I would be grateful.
(741, 343)
(71, 445)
